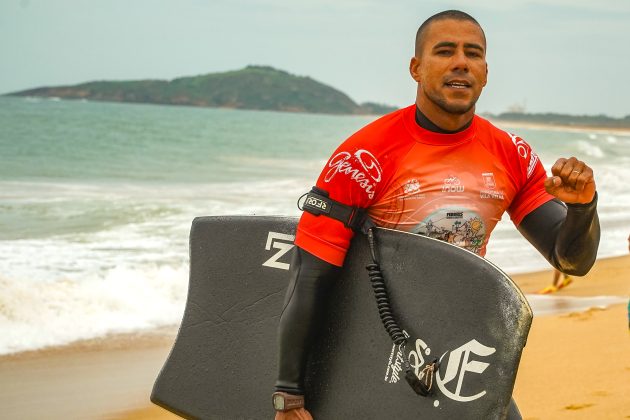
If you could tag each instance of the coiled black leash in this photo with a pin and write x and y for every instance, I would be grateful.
(423, 384)
(318, 203)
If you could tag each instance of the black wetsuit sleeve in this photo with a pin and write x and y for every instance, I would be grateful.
(304, 307)
(567, 235)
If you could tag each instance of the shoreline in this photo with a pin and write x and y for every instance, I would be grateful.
(622, 131)
(535, 125)
(529, 283)
(575, 365)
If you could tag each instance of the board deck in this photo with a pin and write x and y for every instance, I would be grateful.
(454, 305)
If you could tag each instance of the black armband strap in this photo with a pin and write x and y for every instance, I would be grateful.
(318, 202)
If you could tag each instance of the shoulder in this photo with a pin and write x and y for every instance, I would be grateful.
(511, 144)
(491, 132)
(510, 148)
(382, 129)
(379, 141)
(367, 159)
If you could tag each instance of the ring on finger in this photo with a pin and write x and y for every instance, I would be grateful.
(577, 172)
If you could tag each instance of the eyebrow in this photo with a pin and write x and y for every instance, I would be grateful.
(454, 45)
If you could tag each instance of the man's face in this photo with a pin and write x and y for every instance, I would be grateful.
(451, 68)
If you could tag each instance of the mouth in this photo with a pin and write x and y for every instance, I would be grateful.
(458, 84)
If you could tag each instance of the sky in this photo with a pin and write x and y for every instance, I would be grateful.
(566, 56)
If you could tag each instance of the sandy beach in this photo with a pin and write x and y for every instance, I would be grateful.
(575, 366)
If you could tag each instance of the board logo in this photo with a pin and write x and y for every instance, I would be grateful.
(459, 363)
(283, 243)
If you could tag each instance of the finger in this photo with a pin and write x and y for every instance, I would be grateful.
(557, 167)
(568, 166)
(552, 184)
(575, 175)
(585, 177)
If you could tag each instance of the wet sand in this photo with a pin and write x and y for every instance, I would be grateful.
(575, 366)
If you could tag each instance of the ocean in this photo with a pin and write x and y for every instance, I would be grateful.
(96, 202)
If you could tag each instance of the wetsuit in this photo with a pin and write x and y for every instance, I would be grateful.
(413, 176)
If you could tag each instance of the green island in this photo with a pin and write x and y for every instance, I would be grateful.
(267, 88)
(254, 87)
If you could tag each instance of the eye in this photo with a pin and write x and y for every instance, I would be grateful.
(443, 52)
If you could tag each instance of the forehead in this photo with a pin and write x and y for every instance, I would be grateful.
(451, 30)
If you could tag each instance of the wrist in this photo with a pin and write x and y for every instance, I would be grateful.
(589, 205)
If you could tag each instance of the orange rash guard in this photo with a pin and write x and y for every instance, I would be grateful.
(453, 187)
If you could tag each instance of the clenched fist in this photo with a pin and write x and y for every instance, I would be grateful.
(571, 181)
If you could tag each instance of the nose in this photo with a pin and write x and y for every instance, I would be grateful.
(460, 62)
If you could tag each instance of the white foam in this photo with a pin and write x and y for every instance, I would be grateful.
(40, 314)
(590, 149)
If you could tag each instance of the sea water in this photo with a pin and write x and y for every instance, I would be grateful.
(96, 202)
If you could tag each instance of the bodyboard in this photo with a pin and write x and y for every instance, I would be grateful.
(453, 304)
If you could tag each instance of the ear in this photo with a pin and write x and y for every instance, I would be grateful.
(414, 68)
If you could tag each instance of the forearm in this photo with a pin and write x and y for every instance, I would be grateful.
(304, 307)
(566, 235)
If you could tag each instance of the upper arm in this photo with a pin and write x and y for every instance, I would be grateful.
(353, 176)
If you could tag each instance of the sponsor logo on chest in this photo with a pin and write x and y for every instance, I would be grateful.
(490, 185)
(452, 184)
(412, 190)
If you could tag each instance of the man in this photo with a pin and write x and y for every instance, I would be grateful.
(411, 167)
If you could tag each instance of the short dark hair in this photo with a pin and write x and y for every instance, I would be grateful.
(447, 14)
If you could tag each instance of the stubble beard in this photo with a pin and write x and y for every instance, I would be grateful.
(455, 109)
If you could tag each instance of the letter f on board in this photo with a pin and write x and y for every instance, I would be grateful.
(453, 370)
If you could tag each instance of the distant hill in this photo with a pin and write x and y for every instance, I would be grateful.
(254, 87)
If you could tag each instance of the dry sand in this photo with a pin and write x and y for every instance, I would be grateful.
(575, 366)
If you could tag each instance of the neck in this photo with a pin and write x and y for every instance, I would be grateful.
(450, 123)
(428, 125)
